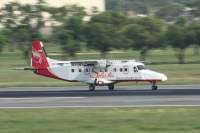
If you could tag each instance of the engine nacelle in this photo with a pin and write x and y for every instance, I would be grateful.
(102, 64)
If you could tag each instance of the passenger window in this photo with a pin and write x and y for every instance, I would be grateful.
(106, 70)
(135, 69)
(80, 70)
(114, 69)
(100, 70)
(120, 69)
(72, 70)
(86, 69)
(125, 69)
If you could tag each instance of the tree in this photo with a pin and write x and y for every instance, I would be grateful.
(23, 23)
(2, 42)
(195, 5)
(23, 36)
(30, 23)
(145, 34)
(70, 34)
(75, 23)
(69, 44)
(99, 37)
(177, 38)
(69, 17)
(182, 21)
(180, 36)
(146, 6)
(9, 19)
(170, 11)
(32, 15)
(101, 31)
(194, 32)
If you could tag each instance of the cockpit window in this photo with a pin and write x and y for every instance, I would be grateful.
(146, 67)
(141, 67)
(135, 69)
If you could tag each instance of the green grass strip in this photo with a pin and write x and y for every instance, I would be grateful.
(101, 120)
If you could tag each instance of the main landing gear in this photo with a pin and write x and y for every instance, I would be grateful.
(111, 87)
(92, 87)
(154, 87)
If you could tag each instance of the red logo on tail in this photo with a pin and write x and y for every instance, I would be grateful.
(36, 56)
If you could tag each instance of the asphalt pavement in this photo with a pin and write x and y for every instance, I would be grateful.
(81, 97)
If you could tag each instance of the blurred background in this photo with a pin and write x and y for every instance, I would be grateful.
(163, 32)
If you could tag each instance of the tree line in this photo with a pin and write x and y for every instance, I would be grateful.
(104, 31)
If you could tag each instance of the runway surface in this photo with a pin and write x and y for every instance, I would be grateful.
(81, 97)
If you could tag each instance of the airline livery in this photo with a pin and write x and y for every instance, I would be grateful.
(92, 72)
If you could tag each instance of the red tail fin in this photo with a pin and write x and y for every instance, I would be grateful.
(39, 59)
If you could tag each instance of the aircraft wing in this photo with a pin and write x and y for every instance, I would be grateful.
(84, 63)
(102, 64)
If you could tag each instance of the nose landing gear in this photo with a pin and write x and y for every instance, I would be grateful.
(154, 87)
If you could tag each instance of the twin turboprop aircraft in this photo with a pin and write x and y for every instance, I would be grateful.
(92, 72)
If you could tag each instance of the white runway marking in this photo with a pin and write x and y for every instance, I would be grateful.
(46, 107)
(41, 98)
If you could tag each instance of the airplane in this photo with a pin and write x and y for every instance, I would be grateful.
(92, 72)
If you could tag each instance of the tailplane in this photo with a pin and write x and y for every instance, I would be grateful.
(39, 56)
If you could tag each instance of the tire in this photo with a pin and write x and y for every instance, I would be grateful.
(154, 87)
(111, 87)
(92, 87)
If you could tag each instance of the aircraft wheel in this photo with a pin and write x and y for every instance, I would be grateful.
(92, 87)
(111, 87)
(154, 87)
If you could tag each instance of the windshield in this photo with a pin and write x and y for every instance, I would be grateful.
(145, 67)
(142, 67)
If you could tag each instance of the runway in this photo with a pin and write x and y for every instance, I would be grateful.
(81, 97)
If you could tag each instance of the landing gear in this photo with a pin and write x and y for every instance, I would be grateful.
(92, 87)
(111, 87)
(154, 87)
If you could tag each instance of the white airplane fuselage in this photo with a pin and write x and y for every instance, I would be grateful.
(92, 72)
(118, 71)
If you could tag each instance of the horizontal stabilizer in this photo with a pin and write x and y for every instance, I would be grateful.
(31, 69)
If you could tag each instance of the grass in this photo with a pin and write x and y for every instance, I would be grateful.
(163, 61)
(98, 120)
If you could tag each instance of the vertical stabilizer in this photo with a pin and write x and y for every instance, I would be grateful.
(39, 56)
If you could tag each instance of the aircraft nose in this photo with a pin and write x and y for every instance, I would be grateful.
(163, 77)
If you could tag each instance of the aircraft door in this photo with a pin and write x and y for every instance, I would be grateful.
(84, 73)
